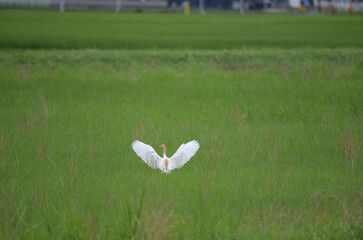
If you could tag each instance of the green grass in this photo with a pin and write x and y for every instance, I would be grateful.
(280, 133)
(274, 100)
(45, 29)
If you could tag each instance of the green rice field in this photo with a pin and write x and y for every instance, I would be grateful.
(278, 114)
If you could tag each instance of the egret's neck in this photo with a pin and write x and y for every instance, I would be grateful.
(164, 150)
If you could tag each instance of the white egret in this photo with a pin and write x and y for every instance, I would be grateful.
(165, 164)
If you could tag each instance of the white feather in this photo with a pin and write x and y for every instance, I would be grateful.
(147, 154)
(183, 154)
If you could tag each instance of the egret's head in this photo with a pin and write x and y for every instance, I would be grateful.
(164, 147)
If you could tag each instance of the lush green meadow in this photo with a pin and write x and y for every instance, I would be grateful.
(280, 129)
(280, 134)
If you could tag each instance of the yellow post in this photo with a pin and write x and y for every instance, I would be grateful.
(186, 7)
(302, 8)
(350, 9)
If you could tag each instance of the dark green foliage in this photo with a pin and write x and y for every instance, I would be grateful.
(79, 30)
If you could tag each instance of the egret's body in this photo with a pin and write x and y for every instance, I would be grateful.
(165, 164)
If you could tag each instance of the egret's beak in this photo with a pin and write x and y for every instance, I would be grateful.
(160, 146)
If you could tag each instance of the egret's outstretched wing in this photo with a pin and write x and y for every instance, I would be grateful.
(183, 154)
(146, 153)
